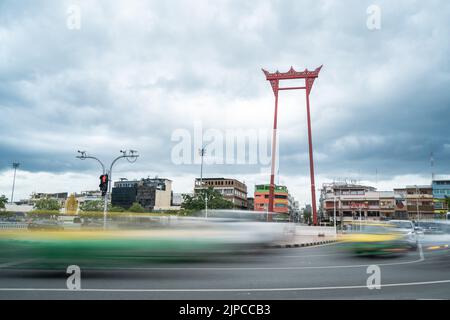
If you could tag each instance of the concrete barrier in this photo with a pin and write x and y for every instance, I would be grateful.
(314, 231)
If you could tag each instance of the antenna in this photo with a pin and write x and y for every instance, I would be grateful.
(432, 166)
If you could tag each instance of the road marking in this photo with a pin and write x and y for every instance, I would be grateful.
(404, 284)
(314, 255)
(15, 263)
(421, 258)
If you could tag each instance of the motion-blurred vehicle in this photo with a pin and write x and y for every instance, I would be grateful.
(45, 225)
(408, 231)
(190, 238)
(436, 234)
(379, 238)
(431, 227)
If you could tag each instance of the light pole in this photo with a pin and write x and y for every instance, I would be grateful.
(202, 153)
(131, 157)
(83, 156)
(15, 166)
(417, 206)
(334, 219)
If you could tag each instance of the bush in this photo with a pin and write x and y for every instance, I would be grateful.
(43, 214)
(117, 209)
(7, 214)
(136, 207)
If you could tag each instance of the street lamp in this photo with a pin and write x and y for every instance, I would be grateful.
(335, 228)
(130, 155)
(15, 166)
(202, 153)
(417, 206)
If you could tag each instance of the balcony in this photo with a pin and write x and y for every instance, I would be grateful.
(412, 208)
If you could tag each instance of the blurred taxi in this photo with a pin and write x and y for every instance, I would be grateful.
(378, 238)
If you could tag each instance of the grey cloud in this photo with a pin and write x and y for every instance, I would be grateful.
(135, 72)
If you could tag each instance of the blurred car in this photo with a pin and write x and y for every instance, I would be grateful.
(45, 225)
(379, 238)
(431, 227)
(436, 234)
(184, 239)
(408, 231)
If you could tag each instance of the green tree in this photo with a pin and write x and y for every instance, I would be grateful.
(71, 205)
(116, 209)
(136, 207)
(307, 215)
(47, 204)
(3, 201)
(92, 205)
(197, 202)
(447, 200)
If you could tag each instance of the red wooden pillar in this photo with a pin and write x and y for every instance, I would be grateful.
(274, 79)
(274, 149)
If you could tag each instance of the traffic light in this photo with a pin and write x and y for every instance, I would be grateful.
(103, 184)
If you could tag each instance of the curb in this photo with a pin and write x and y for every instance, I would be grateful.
(300, 245)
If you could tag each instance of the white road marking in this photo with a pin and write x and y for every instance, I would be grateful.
(231, 290)
(273, 268)
(15, 263)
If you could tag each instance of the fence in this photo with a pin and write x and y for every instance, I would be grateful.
(13, 225)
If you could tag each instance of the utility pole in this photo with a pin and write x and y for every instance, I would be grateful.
(334, 219)
(202, 153)
(15, 166)
(206, 205)
(131, 157)
(417, 206)
(432, 167)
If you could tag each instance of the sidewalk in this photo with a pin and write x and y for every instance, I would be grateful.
(305, 241)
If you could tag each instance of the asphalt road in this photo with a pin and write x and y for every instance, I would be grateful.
(322, 272)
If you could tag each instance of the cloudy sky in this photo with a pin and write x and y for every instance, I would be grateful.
(134, 74)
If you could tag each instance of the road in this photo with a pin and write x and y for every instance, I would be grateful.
(321, 272)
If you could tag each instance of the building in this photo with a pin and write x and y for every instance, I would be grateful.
(419, 201)
(124, 196)
(86, 196)
(152, 194)
(177, 199)
(250, 203)
(61, 197)
(281, 198)
(354, 202)
(231, 189)
(294, 208)
(441, 191)
(401, 208)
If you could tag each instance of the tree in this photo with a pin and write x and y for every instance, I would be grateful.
(307, 215)
(447, 200)
(197, 202)
(92, 205)
(47, 204)
(136, 207)
(116, 209)
(3, 201)
(71, 205)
